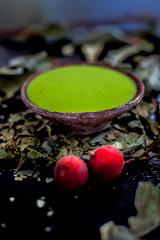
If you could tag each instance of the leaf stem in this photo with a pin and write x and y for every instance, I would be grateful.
(145, 152)
(48, 157)
(152, 146)
(141, 158)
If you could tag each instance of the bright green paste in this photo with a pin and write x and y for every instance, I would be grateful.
(80, 88)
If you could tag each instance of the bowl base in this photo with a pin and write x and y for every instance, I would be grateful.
(86, 130)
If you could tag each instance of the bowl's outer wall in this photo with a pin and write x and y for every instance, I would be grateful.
(85, 122)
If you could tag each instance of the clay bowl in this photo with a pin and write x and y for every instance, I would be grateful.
(84, 123)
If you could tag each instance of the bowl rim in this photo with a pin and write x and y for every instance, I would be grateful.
(41, 111)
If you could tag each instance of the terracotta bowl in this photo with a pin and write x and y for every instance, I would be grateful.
(84, 123)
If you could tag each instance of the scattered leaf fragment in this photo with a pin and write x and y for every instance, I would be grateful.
(62, 153)
(110, 231)
(33, 155)
(99, 137)
(3, 153)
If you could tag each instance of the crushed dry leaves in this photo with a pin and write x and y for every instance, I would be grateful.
(29, 137)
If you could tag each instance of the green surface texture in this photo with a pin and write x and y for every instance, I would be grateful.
(81, 88)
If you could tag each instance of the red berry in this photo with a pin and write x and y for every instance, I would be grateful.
(70, 172)
(106, 162)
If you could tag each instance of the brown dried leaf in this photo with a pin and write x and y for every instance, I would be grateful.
(110, 231)
(138, 153)
(147, 203)
(63, 152)
(143, 109)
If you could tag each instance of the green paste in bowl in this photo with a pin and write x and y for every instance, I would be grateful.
(81, 88)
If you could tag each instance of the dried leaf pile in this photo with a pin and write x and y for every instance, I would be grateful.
(28, 137)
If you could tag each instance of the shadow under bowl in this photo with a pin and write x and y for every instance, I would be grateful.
(83, 123)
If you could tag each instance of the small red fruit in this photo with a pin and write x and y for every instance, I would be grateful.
(70, 172)
(106, 162)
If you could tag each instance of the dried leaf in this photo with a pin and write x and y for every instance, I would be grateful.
(10, 85)
(15, 118)
(129, 143)
(132, 138)
(68, 50)
(138, 153)
(51, 29)
(149, 71)
(92, 51)
(147, 203)
(62, 153)
(3, 153)
(23, 173)
(7, 134)
(50, 138)
(134, 124)
(11, 71)
(34, 155)
(46, 146)
(116, 57)
(110, 231)
(143, 109)
(120, 145)
(28, 141)
(24, 132)
(100, 35)
(134, 145)
(98, 138)
(154, 78)
(154, 127)
(20, 164)
(28, 62)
